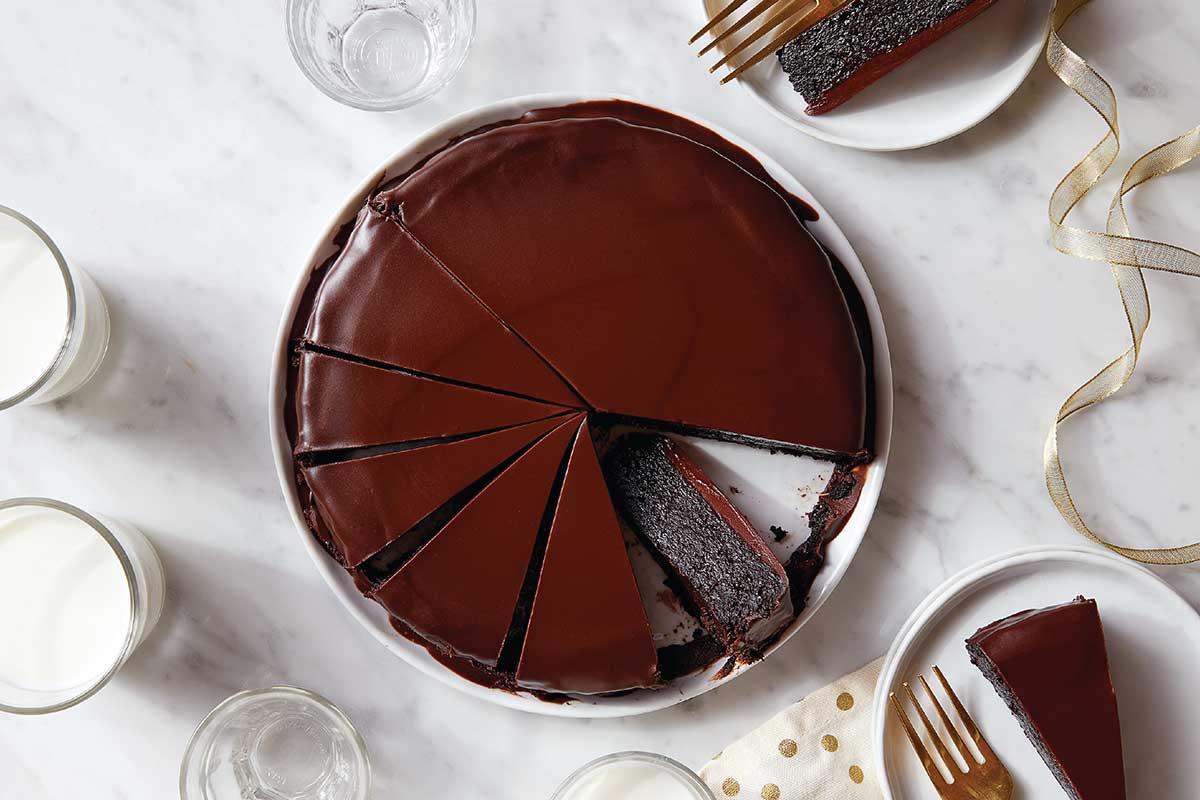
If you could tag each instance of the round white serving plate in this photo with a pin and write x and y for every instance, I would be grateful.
(1153, 639)
(947, 88)
(375, 619)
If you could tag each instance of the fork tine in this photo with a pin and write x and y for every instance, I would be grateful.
(779, 41)
(943, 751)
(785, 12)
(967, 755)
(968, 723)
(720, 17)
(745, 19)
(935, 774)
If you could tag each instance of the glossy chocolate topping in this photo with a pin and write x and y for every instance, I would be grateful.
(662, 280)
(369, 502)
(345, 404)
(385, 299)
(607, 251)
(588, 631)
(1053, 664)
(460, 590)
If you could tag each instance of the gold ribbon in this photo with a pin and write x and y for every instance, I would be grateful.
(1126, 255)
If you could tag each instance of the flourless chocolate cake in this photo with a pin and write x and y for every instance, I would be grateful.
(864, 40)
(1051, 668)
(729, 576)
(574, 270)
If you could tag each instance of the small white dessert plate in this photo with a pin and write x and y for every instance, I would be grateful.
(774, 489)
(1153, 639)
(950, 86)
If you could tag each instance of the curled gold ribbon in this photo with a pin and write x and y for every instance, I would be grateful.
(1126, 255)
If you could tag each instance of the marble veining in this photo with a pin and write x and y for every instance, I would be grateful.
(175, 151)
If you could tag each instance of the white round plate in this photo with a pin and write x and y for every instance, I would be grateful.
(1153, 639)
(768, 493)
(950, 86)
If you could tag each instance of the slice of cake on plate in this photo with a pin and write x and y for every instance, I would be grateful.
(1050, 666)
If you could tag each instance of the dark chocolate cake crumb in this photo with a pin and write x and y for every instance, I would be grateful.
(834, 50)
(779, 533)
(728, 576)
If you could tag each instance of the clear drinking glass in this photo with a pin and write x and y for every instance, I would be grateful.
(46, 602)
(380, 55)
(54, 323)
(280, 743)
(619, 774)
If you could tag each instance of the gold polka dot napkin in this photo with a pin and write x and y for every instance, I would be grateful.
(818, 749)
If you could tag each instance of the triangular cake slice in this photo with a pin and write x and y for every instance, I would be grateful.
(460, 590)
(1051, 668)
(385, 299)
(368, 502)
(587, 632)
(345, 404)
(729, 577)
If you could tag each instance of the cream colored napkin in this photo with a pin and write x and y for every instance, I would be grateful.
(818, 749)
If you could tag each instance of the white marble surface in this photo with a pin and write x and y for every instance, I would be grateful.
(175, 151)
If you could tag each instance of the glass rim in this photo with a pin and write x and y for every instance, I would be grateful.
(290, 25)
(135, 598)
(44, 378)
(643, 756)
(359, 743)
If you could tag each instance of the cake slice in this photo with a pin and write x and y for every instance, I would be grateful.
(1051, 668)
(460, 590)
(729, 577)
(385, 299)
(369, 502)
(864, 40)
(587, 632)
(345, 404)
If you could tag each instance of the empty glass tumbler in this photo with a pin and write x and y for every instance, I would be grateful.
(380, 55)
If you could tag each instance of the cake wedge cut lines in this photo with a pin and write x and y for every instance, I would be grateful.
(587, 631)
(344, 404)
(460, 590)
(369, 502)
(384, 298)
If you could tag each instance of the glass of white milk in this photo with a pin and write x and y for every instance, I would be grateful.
(53, 320)
(78, 594)
(633, 776)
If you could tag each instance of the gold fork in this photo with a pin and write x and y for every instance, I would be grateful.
(986, 781)
(796, 16)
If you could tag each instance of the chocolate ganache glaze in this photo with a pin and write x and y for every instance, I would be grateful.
(676, 299)
(594, 265)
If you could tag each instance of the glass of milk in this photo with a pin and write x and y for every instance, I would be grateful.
(633, 776)
(78, 594)
(53, 320)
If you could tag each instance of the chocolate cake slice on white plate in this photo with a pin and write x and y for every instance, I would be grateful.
(864, 40)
